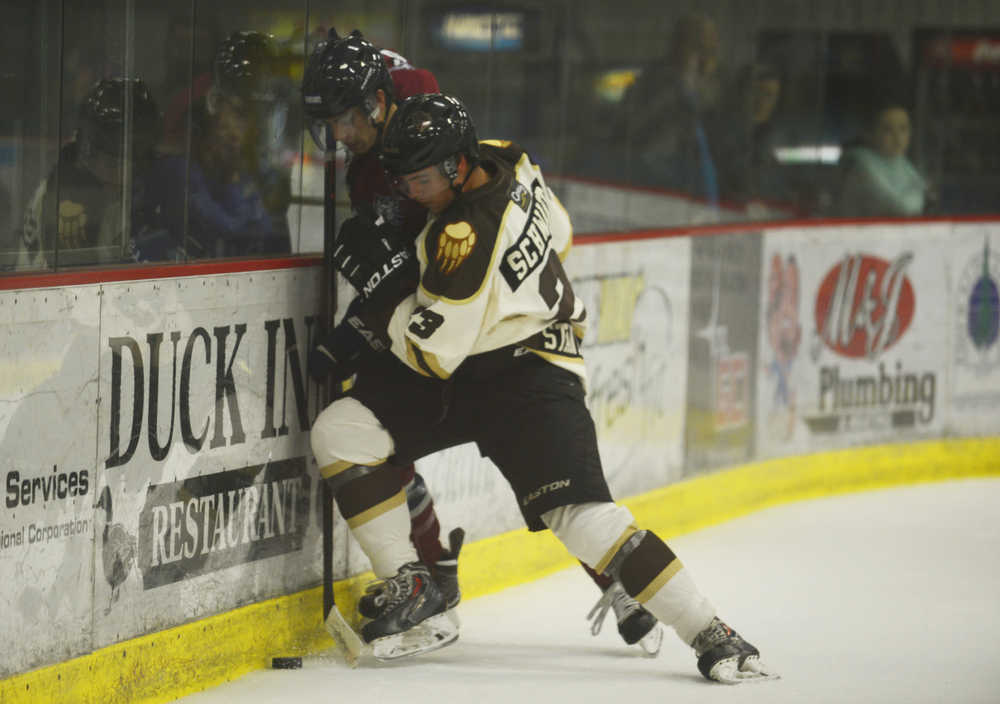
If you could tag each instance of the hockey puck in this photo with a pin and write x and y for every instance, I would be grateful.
(286, 663)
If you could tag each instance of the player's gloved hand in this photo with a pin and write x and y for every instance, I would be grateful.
(325, 364)
(376, 261)
(336, 352)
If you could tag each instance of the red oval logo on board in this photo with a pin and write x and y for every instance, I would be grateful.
(865, 304)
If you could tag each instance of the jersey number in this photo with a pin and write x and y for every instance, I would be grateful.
(425, 323)
(555, 289)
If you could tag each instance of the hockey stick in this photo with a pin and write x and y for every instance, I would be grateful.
(328, 304)
(339, 629)
(345, 636)
(329, 601)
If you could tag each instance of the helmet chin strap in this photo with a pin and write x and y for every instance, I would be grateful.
(371, 106)
(373, 114)
(452, 173)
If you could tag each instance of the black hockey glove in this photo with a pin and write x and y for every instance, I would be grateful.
(375, 260)
(336, 352)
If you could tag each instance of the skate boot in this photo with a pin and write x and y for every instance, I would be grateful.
(445, 570)
(408, 615)
(635, 623)
(723, 656)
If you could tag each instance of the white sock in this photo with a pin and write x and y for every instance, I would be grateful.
(383, 531)
(677, 602)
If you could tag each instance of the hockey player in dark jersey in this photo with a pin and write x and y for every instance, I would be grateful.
(489, 345)
(349, 90)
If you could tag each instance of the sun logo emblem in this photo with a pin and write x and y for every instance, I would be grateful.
(454, 246)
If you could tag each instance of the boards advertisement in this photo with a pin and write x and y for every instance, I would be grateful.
(636, 294)
(156, 461)
(853, 328)
(635, 349)
(48, 393)
(206, 477)
(722, 350)
(974, 251)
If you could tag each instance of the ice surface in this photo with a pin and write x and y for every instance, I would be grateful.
(885, 597)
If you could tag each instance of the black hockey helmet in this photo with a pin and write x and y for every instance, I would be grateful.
(426, 130)
(245, 66)
(104, 118)
(342, 73)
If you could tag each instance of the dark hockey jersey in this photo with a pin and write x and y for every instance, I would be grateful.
(370, 190)
(492, 275)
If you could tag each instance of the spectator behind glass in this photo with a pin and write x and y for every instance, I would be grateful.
(743, 139)
(237, 195)
(666, 110)
(75, 215)
(877, 178)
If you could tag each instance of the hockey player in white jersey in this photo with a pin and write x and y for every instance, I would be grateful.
(489, 352)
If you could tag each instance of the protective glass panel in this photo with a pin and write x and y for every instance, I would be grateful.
(697, 113)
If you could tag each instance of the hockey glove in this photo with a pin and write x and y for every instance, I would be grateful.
(375, 260)
(336, 353)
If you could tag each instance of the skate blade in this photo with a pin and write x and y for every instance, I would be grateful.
(346, 637)
(428, 635)
(752, 670)
(650, 643)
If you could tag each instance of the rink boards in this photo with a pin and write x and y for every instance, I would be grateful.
(156, 465)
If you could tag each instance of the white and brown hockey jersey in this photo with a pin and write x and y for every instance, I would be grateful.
(491, 274)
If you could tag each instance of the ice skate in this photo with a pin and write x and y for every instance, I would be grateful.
(409, 615)
(445, 573)
(635, 623)
(723, 656)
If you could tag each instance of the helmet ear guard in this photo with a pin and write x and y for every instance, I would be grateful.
(321, 134)
(449, 167)
(371, 107)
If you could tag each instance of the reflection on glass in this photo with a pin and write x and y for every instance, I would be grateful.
(235, 192)
(95, 207)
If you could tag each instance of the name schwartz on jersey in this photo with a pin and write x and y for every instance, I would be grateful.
(528, 252)
(491, 274)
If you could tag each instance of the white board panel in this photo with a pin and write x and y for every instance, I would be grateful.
(636, 355)
(854, 337)
(974, 252)
(48, 396)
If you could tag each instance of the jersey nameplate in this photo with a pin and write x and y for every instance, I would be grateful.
(528, 251)
(559, 338)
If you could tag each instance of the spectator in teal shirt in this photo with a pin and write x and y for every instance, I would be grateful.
(877, 178)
